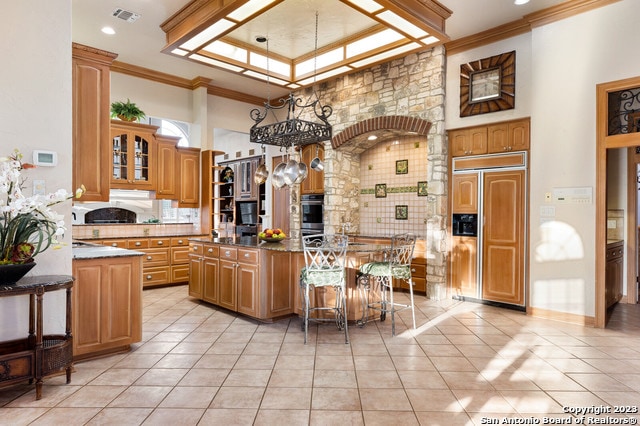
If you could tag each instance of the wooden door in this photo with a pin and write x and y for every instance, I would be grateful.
(503, 237)
(464, 266)
(227, 284)
(166, 167)
(465, 193)
(189, 177)
(281, 203)
(210, 280)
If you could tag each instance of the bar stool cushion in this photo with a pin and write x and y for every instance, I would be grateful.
(322, 277)
(386, 269)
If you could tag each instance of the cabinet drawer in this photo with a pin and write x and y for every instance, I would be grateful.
(419, 284)
(418, 270)
(138, 243)
(155, 257)
(228, 253)
(179, 242)
(195, 248)
(115, 243)
(159, 242)
(17, 366)
(248, 256)
(156, 276)
(212, 251)
(179, 255)
(615, 251)
(179, 273)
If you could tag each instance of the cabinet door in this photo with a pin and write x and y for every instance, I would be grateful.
(281, 280)
(195, 276)
(167, 170)
(464, 266)
(465, 193)
(91, 153)
(519, 135)
(227, 284)
(314, 183)
(505, 137)
(503, 236)
(189, 177)
(210, 280)
(471, 141)
(133, 150)
(248, 282)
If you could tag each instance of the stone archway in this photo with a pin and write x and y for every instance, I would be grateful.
(356, 135)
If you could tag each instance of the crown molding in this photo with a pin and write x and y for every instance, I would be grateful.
(183, 83)
(525, 24)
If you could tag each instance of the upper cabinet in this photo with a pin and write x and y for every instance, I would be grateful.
(167, 163)
(490, 138)
(314, 183)
(189, 177)
(133, 150)
(91, 89)
(246, 188)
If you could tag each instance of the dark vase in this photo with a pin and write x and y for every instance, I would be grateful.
(10, 274)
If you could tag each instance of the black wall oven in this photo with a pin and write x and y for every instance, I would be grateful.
(312, 210)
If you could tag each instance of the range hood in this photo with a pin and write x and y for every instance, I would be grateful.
(127, 195)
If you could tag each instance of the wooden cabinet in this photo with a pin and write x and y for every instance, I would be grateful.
(464, 267)
(227, 289)
(503, 237)
(614, 273)
(195, 269)
(465, 193)
(133, 150)
(490, 138)
(167, 167)
(189, 177)
(107, 305)
(210, 273)
(510, 136)
(242, 188)
(246, 188)
(91, 152)
(179, 260)
(314, 183)
(471, 141)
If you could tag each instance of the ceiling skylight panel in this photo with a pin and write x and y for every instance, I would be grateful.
(325, 75)
(264, 77)
(215, 63)
(324, 60)
(248, 9)
(430, 40)
(373, 41)
(402, 24)
(179, 52)
(260, 61)
(210, 33)
(386, 55)
(367, 5)
(227, 50)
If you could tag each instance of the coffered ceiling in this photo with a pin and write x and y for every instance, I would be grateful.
(350, 34)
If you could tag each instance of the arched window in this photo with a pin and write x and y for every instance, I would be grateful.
(173, 128)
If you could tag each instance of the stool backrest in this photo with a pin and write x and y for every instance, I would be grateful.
(402, 246)
(325, 252)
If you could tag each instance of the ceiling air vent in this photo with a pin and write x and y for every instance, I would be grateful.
(125, 15)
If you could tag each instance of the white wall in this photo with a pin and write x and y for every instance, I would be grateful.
(558, 68)
(35, 112)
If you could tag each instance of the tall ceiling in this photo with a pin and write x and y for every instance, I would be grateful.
(289, 27)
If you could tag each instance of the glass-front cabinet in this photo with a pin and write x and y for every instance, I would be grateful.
(133, 154)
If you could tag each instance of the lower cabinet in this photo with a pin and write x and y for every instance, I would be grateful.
(614, 273)
(464, 266)
(107, 305)
(253, 282)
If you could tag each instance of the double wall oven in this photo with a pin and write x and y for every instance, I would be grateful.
(311, 210)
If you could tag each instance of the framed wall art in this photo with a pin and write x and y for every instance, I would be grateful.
(488, 85)
(423, 191)
(402, 167)
(381, 190)
(402, 212)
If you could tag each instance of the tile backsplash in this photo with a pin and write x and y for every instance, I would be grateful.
(389, 176)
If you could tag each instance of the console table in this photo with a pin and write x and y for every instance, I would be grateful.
(37, 355)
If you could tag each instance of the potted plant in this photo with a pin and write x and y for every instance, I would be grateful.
(126, 111)
(28, 225)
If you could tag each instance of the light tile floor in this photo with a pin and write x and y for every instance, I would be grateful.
(466, 364)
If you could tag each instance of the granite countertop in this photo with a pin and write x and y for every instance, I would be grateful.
(96, 251)
(285, 245)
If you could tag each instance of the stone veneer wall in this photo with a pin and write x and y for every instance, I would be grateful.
(412, 86)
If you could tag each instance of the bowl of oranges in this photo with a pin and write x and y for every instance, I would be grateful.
(272, 235)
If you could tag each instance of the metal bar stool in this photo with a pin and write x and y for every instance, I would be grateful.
(378, 277)
(325, 259)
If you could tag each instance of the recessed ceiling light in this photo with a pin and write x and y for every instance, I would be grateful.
(372, 138)
(518, 2)
(108, 30)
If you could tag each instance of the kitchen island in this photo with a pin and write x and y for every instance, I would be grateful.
(107, 299)
(261, 279)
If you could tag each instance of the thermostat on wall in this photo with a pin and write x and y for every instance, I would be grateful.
(45, 158)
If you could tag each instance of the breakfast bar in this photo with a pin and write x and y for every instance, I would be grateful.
(261, 279)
